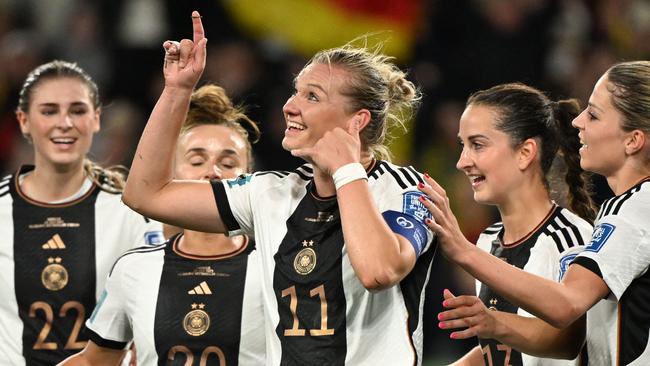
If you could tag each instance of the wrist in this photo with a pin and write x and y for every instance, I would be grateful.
(348, 173)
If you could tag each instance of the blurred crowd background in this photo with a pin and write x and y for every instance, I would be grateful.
(450, 48)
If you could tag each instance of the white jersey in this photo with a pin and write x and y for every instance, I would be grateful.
(176, 306)
(318, 312)
(619, 252)
(54, 259)
(544, 252)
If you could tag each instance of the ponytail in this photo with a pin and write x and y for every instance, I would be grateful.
(577, 180)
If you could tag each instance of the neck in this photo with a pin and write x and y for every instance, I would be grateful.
(627, 178)
(521, 214)
(47, 183)
(208, 244)
(324, 183)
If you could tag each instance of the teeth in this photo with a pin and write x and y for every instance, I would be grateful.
(63, 140)
(295, 125)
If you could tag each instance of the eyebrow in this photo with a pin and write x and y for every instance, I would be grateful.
(592, 105)
(318, 87)
(49, 104)
(204, 150)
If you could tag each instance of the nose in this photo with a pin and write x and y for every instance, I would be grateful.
(214, 173)
(578, 121)
(464, 161)
(290, 108)
(65, 123)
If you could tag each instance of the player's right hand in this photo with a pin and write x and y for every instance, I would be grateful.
(185, 60)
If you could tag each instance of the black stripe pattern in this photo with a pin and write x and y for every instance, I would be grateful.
(404, 176)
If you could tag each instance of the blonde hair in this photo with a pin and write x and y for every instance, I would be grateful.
(375, 84)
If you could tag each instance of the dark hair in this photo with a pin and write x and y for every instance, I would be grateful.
(629, 84)
(525, 112)
(109, 179)
(377, 85)
(209, 105)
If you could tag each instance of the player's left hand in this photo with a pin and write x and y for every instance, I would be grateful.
(467, 312)
(335, 149)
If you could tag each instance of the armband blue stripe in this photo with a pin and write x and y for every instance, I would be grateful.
(409, 227)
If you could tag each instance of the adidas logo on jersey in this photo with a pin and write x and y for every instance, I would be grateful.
(55, 243)
(201, 289)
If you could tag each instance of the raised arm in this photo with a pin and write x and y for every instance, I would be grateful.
(150, 188)
(559, 304)
(528, 335)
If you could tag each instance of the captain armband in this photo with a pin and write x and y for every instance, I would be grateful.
(409, 227)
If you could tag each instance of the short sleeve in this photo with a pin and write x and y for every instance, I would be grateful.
(405, 215)
(620, 250)
(234, 203)
(109, 325)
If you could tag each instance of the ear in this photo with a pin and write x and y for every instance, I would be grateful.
(96, 122)
(22, 121)
(527, 153)
(634, 142)
(362, 117)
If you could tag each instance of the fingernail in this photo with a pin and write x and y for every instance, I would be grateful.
(445, 303)
(441, 325)
(427, 175)
(440, 317)
(452, 336)
(420, 185)
(422, 199)
(427, 221)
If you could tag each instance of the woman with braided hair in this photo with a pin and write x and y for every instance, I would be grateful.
(518, 149)
(608, 281)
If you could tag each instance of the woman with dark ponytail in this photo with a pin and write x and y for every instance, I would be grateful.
(518, 148)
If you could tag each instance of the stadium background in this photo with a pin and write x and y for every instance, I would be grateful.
(450, 48)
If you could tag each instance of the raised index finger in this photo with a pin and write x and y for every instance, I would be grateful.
(197, 26)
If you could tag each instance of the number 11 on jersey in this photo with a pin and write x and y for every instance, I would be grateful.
(293, 306)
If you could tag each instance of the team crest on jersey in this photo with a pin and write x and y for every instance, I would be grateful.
(412, 206)
(54, 276)
(197, 321)
(239, 181)
(602, 232)
(305, 260)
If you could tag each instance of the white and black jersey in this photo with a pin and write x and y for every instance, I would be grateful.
(318, 312)
(619, 252)
(543, 252)
(183, 309)
(54, 259)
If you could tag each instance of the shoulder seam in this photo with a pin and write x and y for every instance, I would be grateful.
(143, 249)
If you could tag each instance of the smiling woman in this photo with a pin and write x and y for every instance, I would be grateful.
(342, 239)
(62, 219)
(609, 280)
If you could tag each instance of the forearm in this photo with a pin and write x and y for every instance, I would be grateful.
(375, 252)
(546, 299)
(472, 358)
(535, 337)
(152, 163)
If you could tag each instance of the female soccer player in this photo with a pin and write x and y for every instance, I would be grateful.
(198, 296)
(63, 221)
(345, 254)
(614, 131)
(510, 137)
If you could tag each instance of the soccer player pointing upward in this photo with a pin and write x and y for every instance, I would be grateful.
(328, 232)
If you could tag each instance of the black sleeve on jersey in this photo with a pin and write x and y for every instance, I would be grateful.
(98, 340)
(589, 264)
(223, 206)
